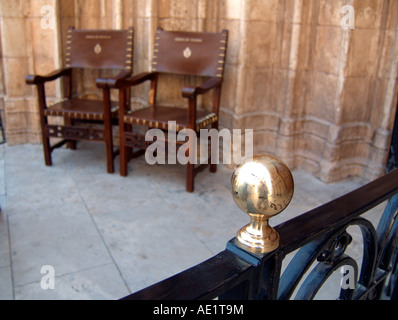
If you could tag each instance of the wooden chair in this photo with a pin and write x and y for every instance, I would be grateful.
(85, 119)
(200, 54)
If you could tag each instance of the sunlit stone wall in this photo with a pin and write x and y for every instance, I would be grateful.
(319, 89)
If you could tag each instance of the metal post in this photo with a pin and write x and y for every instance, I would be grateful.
(262, 187)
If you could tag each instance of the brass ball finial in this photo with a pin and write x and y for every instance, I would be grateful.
(262, 187)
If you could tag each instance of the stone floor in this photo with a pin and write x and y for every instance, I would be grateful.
(107, 236)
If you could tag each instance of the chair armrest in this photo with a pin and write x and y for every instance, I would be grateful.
(189, 92)
(112, 81)
(37, 79)
(133, 81)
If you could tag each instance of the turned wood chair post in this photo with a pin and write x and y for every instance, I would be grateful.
(190, 166)
(41, 93)
(153, 90)
(108, 129)
(68, 94)
(123, 152)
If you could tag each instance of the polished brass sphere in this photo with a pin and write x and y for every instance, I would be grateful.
(262, 187)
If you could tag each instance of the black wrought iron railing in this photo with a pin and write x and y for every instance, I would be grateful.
(319, 240)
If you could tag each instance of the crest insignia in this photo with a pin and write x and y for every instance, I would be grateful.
(98, 49)
(187, 53)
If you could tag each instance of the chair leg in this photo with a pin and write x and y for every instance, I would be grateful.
(213, 166)
(123, 150)
(190, 175)
(71, 144)
(43, 124)
(109, 157)
(125, 153)
(123, 158)
(46, 145)
(47, 151)
(108, 147)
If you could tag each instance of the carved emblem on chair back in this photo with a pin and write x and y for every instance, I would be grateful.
(98, 49)
(187, 53)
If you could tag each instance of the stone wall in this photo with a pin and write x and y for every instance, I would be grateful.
(318, 96)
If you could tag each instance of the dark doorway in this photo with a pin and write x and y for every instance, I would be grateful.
(2, 136)
(393, 157)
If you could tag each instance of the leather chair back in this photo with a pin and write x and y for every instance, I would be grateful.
(190, 53)
(103, 49)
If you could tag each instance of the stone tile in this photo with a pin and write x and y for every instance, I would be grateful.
(103, 193)
(359, 149)
(14, 76)
(362, 53)
(317, 193)
(144, 8)
(386, 57)
(264, 50)
(33, 8)
(230, 90)
(150, 243)
(67, 8)
(368, 13)
(90, 7)
(16, 137)
(62, 236)
(16, 155)
(356, 97)
(265, 95)
(178, 9)
(357, 131)
(267, 142)
(99, 283)
(41, 36)
(329, 12)
(264, 10)
(232, 9)
(16, 122)
(234, 42)
(392, 15)
(38, 187)
(13, 40)
(328, 45)
(211, 214)
(4, 244)
(11, 8)
(322, 102)
(16, 106)
(6, 292)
